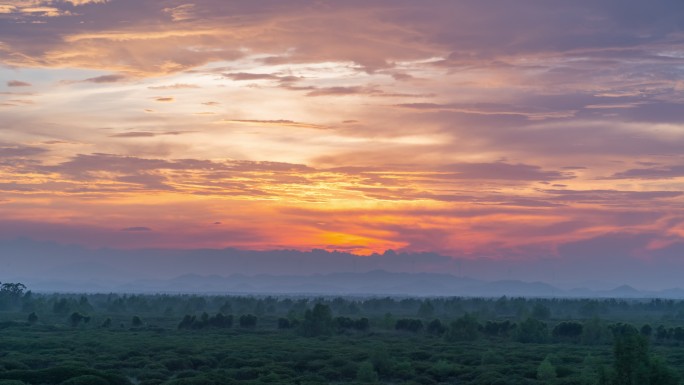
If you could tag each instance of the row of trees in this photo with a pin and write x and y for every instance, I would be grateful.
(316, 322)
(15, 296)
(219, 321)
(320, 321)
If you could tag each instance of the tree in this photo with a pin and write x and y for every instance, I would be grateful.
(661, 374)
(136, 322)
(568, 330)
(436, 327)
(75, 319)
(501, 328)
(633, 365)
(532, 330)
(61, 306)
(28, 303)
(590, 309)
(381, 360)
(366, 373)
(630, 350)
(388, 321)
(646, 330)
(546, 372)
(204, 318)
(594, 332)
(317, 321)
(362, 324)
(661, 333)
(411, 325)
(84, 306)
(426, 309)
(221, 321)
(186, 322)
(12, 289)
(11, 294)
(283, 323)
(465, 328)
(248, 321)
(541, 311)
(590, 371)
(226, 308)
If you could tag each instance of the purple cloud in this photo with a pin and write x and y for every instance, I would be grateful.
(136, 228)
(18, 83)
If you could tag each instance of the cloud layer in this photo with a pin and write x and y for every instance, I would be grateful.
(469, 128)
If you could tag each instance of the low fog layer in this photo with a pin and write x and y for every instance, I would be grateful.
(51, 266)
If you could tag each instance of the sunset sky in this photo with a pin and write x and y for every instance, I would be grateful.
(475, 128)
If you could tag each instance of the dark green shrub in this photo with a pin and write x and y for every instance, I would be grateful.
(86, 380)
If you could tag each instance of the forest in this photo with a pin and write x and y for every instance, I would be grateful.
(175, 339)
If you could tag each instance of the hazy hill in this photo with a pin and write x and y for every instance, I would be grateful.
(49, 266)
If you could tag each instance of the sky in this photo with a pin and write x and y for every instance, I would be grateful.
(513, 131)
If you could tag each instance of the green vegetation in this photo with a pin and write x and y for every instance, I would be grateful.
(188, 339)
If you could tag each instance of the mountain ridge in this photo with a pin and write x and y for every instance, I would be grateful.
(371, 283)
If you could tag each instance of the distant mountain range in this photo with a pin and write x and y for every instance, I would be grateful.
(371, 283)
(49, 266)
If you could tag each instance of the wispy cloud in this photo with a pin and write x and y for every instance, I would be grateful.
(176, 86)
(17, 83)
(106, 79)
(278, 122)
(250, 76)
(136, 228)
(84, 2)
(147, 134)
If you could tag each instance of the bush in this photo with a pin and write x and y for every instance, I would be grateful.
(465, 328)
(532, 330)
(411, 325)
(283, 323)
(435, 327)
(317, 321)
(367, 374)
(546, 372)
(569, 330)
(136, 322)
(191, 381)
(86, 380)
(442, 370)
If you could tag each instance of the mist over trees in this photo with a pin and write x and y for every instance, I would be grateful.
(49, 266)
